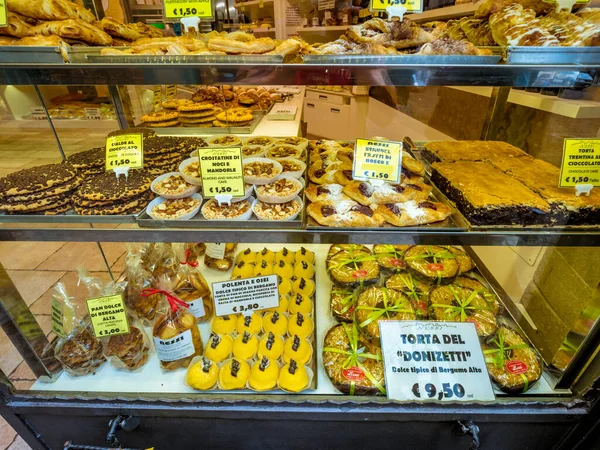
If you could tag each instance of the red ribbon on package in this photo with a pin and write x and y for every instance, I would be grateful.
(187, 259)
(174, 302)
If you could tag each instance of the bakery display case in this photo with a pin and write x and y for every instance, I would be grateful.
(281, 202)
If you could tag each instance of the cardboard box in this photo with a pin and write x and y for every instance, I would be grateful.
(551, 330)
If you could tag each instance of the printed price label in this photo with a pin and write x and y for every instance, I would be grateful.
(171, 90)
(245, 295)
(126, 150)
(108, 315)
(377, 160)
(197, 307)
(433, 361)
(3, 17)
(181, 346)
(57, 318)
(222, 173)
(37, 112)
(93, 114)
(156, 97)
(410, 5)
(580, 163)
(176, 9)
(215, 250)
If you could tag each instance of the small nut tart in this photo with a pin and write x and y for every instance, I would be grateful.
(253, 151)
(284, 151)
(236, 211)
(261, 170)
(292, 167)
(175, 209)
(172, 185)
(263, 141)
(190, 171)
(277, 211)
(281, 190)
(224, 141)
(295, 141)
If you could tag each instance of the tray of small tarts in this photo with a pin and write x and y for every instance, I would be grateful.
(335, 199)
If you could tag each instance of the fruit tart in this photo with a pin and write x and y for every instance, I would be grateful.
(375, 304)
(512, 364)
(456, 304)
(432, 263)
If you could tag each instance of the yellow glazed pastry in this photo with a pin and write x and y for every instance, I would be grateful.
(283, 305)
(223, 325)
(245, 346)
(300, 304)
(263, 268)
(283, 269)
(234, 374)
(203, 374)
(300, 325)
(293, 377)
(304, 270)
(285, 286)
(247, 256)
(297, 349)
(284, 255)
(303, 286)
(265, 255)
(275, 322)
(270, 346)
(243, 270)
(263, 375)
(218, 347)
(304, 255)
(252, 324)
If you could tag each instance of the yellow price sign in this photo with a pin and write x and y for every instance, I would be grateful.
(3, 17)
(126, 150)
(410, 5)
(176, 9)
(171, 90)
(377, 160)
(156, 97)
(108, 315)
(580, 163)
(222, 172)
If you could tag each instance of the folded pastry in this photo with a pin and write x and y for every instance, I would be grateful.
(147, 30)
(287, 47)
(489, 7)
(325, 192)
(46, 41)
(477, 31)
(454, 31)
(320, 174)
(517, 26)
(413, 213)
(411, 164)
(570, 29)
(16, 26)
(344, 213)
(256, 46)
(8, 40)
(589, 14)
(74, 29)
(395, 34)
(50, 10)
(367, 194)
(120, 30)
(445, 46)
(163, 43)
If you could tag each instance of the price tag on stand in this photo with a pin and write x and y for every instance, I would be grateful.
(412, 6)
(434, 361)
(377, 160)
(3, 15)
(171, 90)
(37, 112)
(245, 295)
(108, 315)
(222, 172)
(93, 114)
(57, 318)
(156, 97)
(580, 163)
(176, 9)
(126, 150)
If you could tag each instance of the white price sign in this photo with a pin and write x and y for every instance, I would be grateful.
(434, 361)
(93, 114)
(245, 295)
(38, 113)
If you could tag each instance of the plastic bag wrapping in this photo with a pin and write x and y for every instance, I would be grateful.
(127, 351)
(138, 278)
(189, 285)
(219, 256)
(79, 352)
(176, 336)
(159, 259)
(196, 250)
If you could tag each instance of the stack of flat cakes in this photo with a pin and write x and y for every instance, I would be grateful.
(198, 114)
(44, 190)
(89, 162)
(105, 194)
(163, 154)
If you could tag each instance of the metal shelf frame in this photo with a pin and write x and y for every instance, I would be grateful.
(299, 74)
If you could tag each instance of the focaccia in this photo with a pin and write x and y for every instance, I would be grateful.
(50, 10)
(74, 29)
(413, 213)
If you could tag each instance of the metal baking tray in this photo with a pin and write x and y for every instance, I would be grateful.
(30, 55)
(402, 59)
(80, 53)
(66, 218)
(415, 149)
(185, 59)
(553, 55)
(257, 116)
